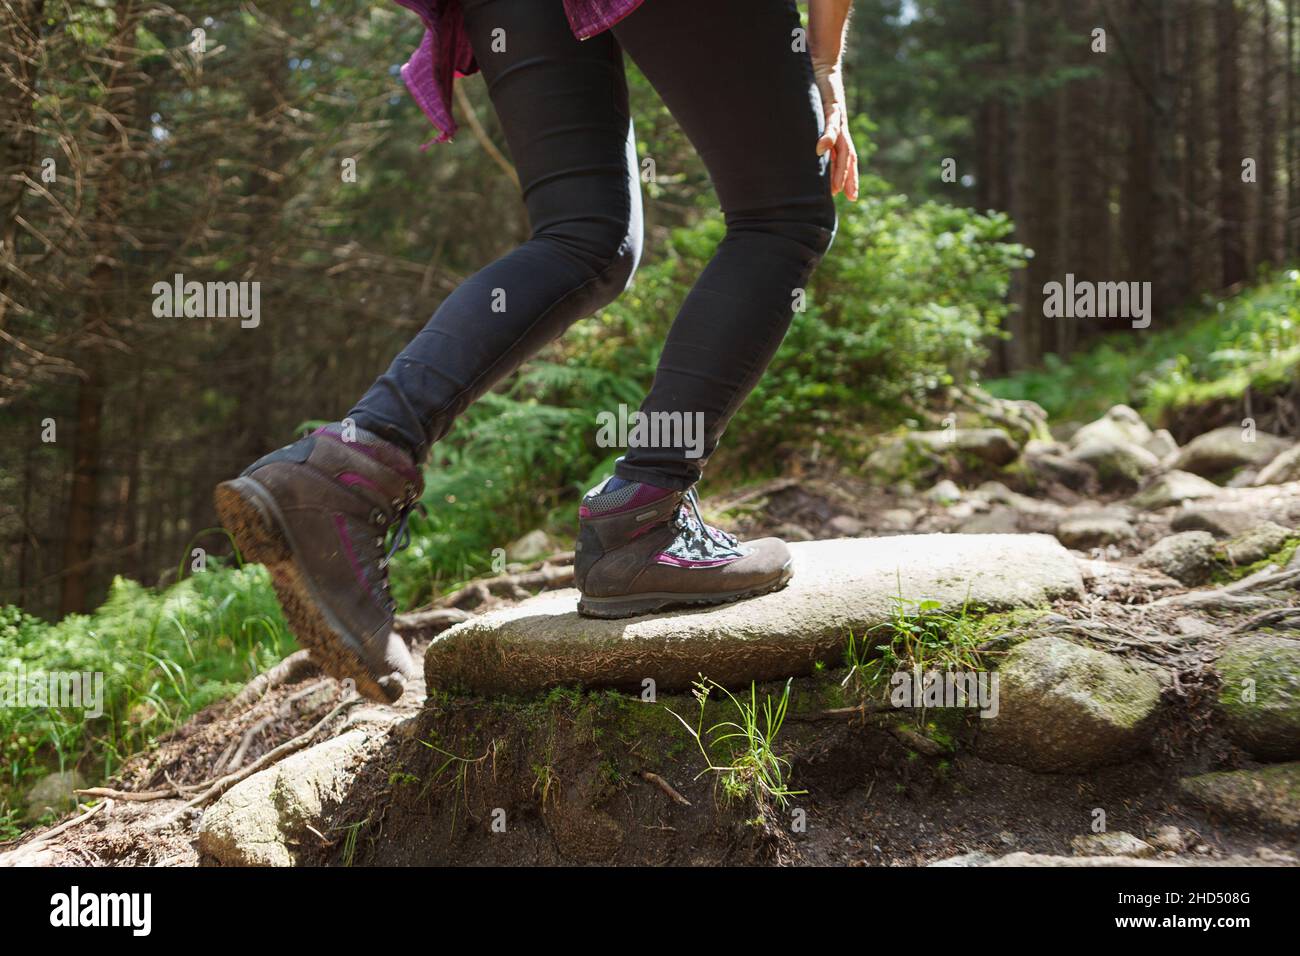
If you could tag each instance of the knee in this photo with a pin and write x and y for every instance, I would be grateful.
(804, 232)
(608, 248)
(620, 263)
(816, 229)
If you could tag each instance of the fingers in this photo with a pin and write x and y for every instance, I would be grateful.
(850, 170)
(834, 127)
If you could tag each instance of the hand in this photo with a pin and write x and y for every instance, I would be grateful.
(836, 138)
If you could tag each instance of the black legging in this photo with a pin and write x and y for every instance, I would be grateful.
(733, 75)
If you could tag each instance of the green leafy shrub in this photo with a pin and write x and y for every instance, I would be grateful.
(163, 656)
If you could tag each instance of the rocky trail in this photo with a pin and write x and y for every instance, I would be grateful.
(1136, 599)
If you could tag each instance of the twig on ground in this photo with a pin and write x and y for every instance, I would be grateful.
(42, 841)
(843, 713)
(290, 670)
(223, 784)
(665, 786)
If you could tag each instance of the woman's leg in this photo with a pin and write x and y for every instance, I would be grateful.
(317, 512)
(733, 76)
(563, 106)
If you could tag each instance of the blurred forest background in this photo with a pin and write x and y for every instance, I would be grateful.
(141, 139)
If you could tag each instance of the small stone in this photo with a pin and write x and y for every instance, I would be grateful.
(534, 545)
(896, 520)
(845, 526)
(1188, 557)
(1000, 520)
(944, 492)
(1173, 488)
(976, 858)
(1117, 843)
(1168, 838)
(792, 532)
(1194, 626)
(1274, 857)
(1093, 531)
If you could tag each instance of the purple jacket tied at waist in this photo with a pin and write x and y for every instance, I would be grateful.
(445, 53)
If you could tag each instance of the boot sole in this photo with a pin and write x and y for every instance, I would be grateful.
(250, 514)
(636, 605)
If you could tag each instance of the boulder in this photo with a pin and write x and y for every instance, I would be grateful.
(998, 520)
(1268, 796)
(1119, 424)
(930, 453)
(845, 526)
(1259, 695)
(841, 586)
(1219, 522)
(54, 793)
(1082, 532)
(944, 492)
(1118, 463)
(893, 520)
(1173, 488)
(1283, 468)
(1064, 707)
(533, 546)
(1218, 452)
(1257, 543)
(1161, 444)
(1188, 557)
(1048, 467)
(261, 821)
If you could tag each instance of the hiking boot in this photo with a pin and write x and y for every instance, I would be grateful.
(316, 513)
(643, 549)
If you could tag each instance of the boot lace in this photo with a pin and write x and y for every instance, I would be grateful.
(696, 538)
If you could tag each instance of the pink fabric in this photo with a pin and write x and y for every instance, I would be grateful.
(445, 52)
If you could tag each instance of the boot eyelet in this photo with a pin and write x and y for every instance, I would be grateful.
(377, 517)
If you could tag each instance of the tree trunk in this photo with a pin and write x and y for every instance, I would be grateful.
(1266, 250)
(1232, 195)
(79, 534)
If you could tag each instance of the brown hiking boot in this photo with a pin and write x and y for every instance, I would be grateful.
(643, 549)
(316, 513)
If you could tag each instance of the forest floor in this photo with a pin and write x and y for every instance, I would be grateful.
(602, 777)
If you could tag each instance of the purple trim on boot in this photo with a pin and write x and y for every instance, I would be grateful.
(351, 478)
(341, 525)
(381, 451)
(645, 495)
(664, 557)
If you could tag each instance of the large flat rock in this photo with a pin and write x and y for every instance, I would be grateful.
(839, 586)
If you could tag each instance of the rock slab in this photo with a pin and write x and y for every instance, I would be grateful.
(841, 586)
